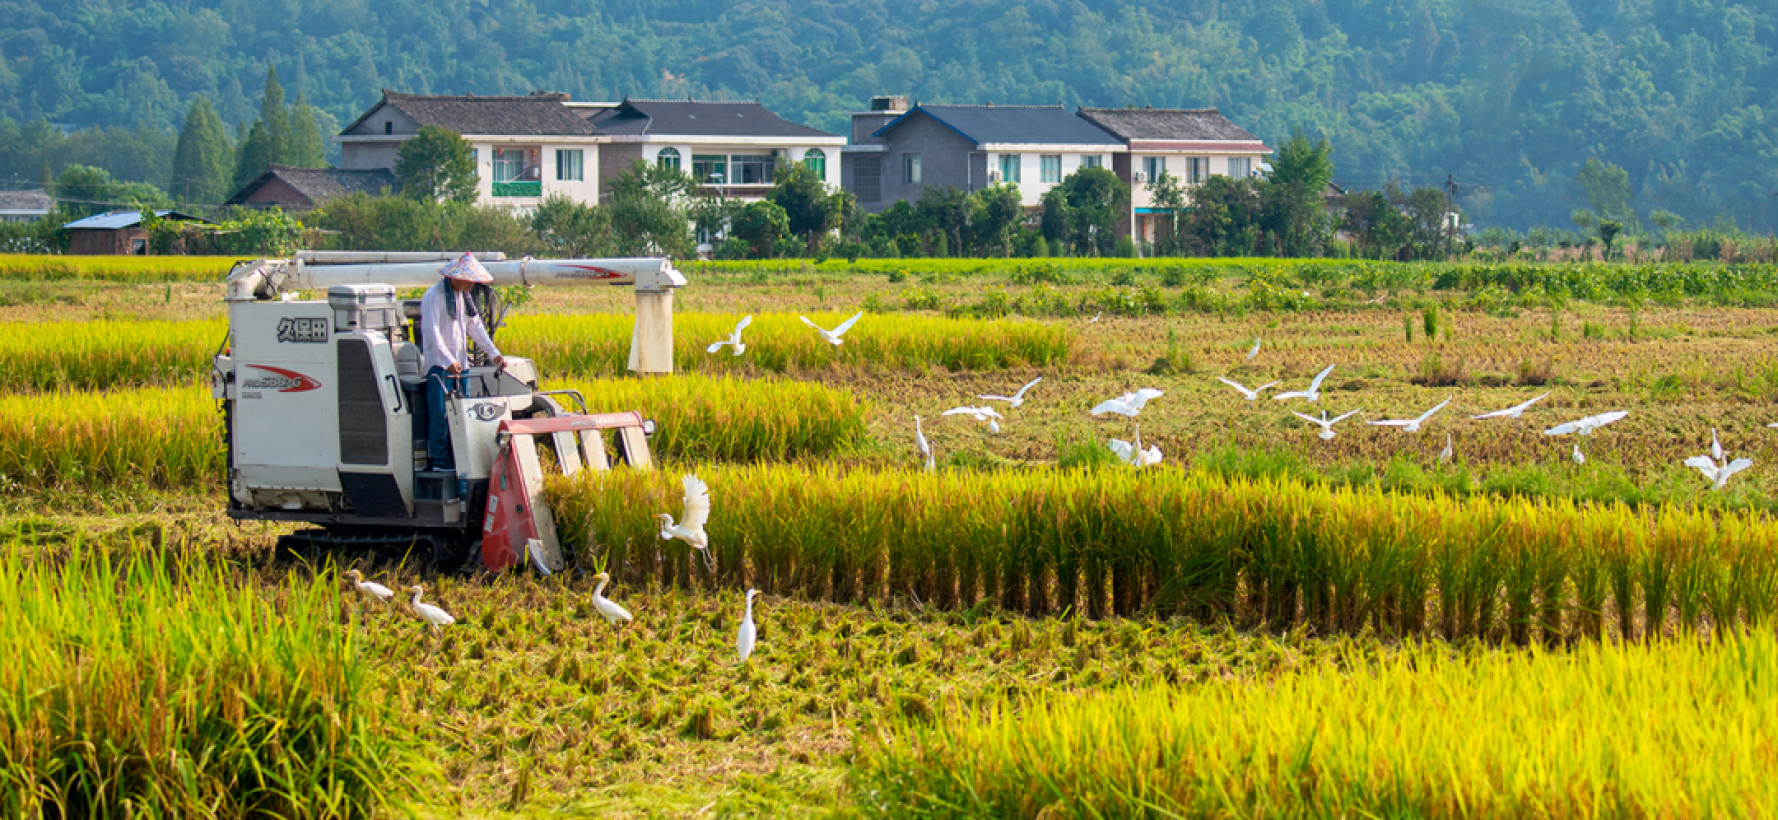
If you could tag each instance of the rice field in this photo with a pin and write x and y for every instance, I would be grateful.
(1266, 624)
(115, 269)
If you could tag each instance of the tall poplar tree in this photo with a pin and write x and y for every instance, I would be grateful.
(203, 162)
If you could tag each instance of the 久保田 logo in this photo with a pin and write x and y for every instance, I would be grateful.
(279, 379)
(313, 331)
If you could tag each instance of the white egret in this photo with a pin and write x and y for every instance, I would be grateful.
(1715, 446)
(1313, 394)
(1326, 424)
(371, 590)
(434, 616)
(1250, 395)
(1135, 456)
(1587, 425)
(693, 515)
(1096, 317)
(1718, 473)
(1578, 456)
(1511, 412)
(745, 637)
(1015, 399)
(983, 413)
(1413, 424)
(734, 338)
(1773, 424)
(1254, 352)
(604, 606)
(920, 440)
(1128, 404)
(833, 336)
(1444, 456)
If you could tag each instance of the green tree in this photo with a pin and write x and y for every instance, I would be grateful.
(256, 154)
(1169, 199)
(435, 165)
(1295, 217)
(811, 209)
(761, 224)
(572, 229)
(83, 190)
(276, 119)
(306, 147)
(995, 214)
(650, 210)
(1606, 188)
(203, 161)
(1089, 205)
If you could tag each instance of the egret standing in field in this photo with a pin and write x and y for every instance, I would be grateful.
(1128, 404)
(604, 606)
(833, 336)
(693, 515)
(744, 638)
(1413, 425)
(1313, 394)
(1513, 411)
(1015, 399)
(734, 339)
(1247, 394)
(1326, 424)
(371, 590)
(1254, 352)
(983, 413)
(1578, 456)
(925, 449)
(1445, 455)
(435, 617)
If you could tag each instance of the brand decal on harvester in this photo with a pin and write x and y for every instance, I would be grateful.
(488, 411)
(587, 272)
(312, 331)
(281, 380)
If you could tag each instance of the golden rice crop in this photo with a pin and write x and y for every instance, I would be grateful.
(137, 686)
(172, 436)
(1674, 729)
(106, 353)
(1161, 542)
(779, 342)
(123, 269)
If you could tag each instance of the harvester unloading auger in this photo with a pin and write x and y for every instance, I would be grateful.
(325, 406)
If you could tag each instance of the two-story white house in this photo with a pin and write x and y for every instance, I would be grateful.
(896, 151)
(525, 148)
(1188, 144)
(729, 147)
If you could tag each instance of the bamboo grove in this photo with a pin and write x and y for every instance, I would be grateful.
(1163, 542)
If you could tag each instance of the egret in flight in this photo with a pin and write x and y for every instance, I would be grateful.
(604, 606)
(920, 440)
(1135, 456)
(1313, 394)
(745, 637)
(1250, 395)
(833, 336)
(734, 339)
(1413, 424)
(371, 590)
(983, 413)
(693, 515)
(1587, 425)
(1713, 466)
(1511, 412)
(1128, 404)
(1015, 399)
(434, 616)
(1326, 424)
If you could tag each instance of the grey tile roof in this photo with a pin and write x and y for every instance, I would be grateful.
(1167, 124)
(25, 201)
(534, 115)
(321, 184)
(1029, 124)
(113, 220)
(697, 118)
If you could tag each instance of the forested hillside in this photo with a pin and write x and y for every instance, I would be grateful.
(1509, 96)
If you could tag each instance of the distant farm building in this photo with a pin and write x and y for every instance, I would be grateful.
(117, 233)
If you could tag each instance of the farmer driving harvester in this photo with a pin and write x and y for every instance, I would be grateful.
(448, 318)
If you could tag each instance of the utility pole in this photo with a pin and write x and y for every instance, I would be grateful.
(1450, 229)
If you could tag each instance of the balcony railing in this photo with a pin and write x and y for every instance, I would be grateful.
(531, 189)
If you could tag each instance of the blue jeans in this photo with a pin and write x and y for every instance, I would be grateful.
(438, 428)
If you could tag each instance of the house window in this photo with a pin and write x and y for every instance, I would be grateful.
(1009, 167)
(1092, 161)
(1196, 169)
(475, 158)
(509, 164)
(1240, 167)
(709, 169)
(568, 168)
(816, 160)
(1049, 168)
(753, 170)
(668, 158)
(1153, 168)
(910, 169)
(388, 128)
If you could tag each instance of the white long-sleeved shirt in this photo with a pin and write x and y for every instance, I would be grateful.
(446, 339)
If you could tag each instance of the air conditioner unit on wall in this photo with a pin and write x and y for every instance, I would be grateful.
(781, 152)
(1140, 177)
(993, 176)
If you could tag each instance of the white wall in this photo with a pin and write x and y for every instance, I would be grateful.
(651, 152)
(585, 190)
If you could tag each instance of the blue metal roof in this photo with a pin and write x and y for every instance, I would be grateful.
(124, 219)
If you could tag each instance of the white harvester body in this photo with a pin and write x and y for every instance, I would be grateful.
(326, 409)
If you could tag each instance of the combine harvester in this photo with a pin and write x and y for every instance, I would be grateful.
(325, 411)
